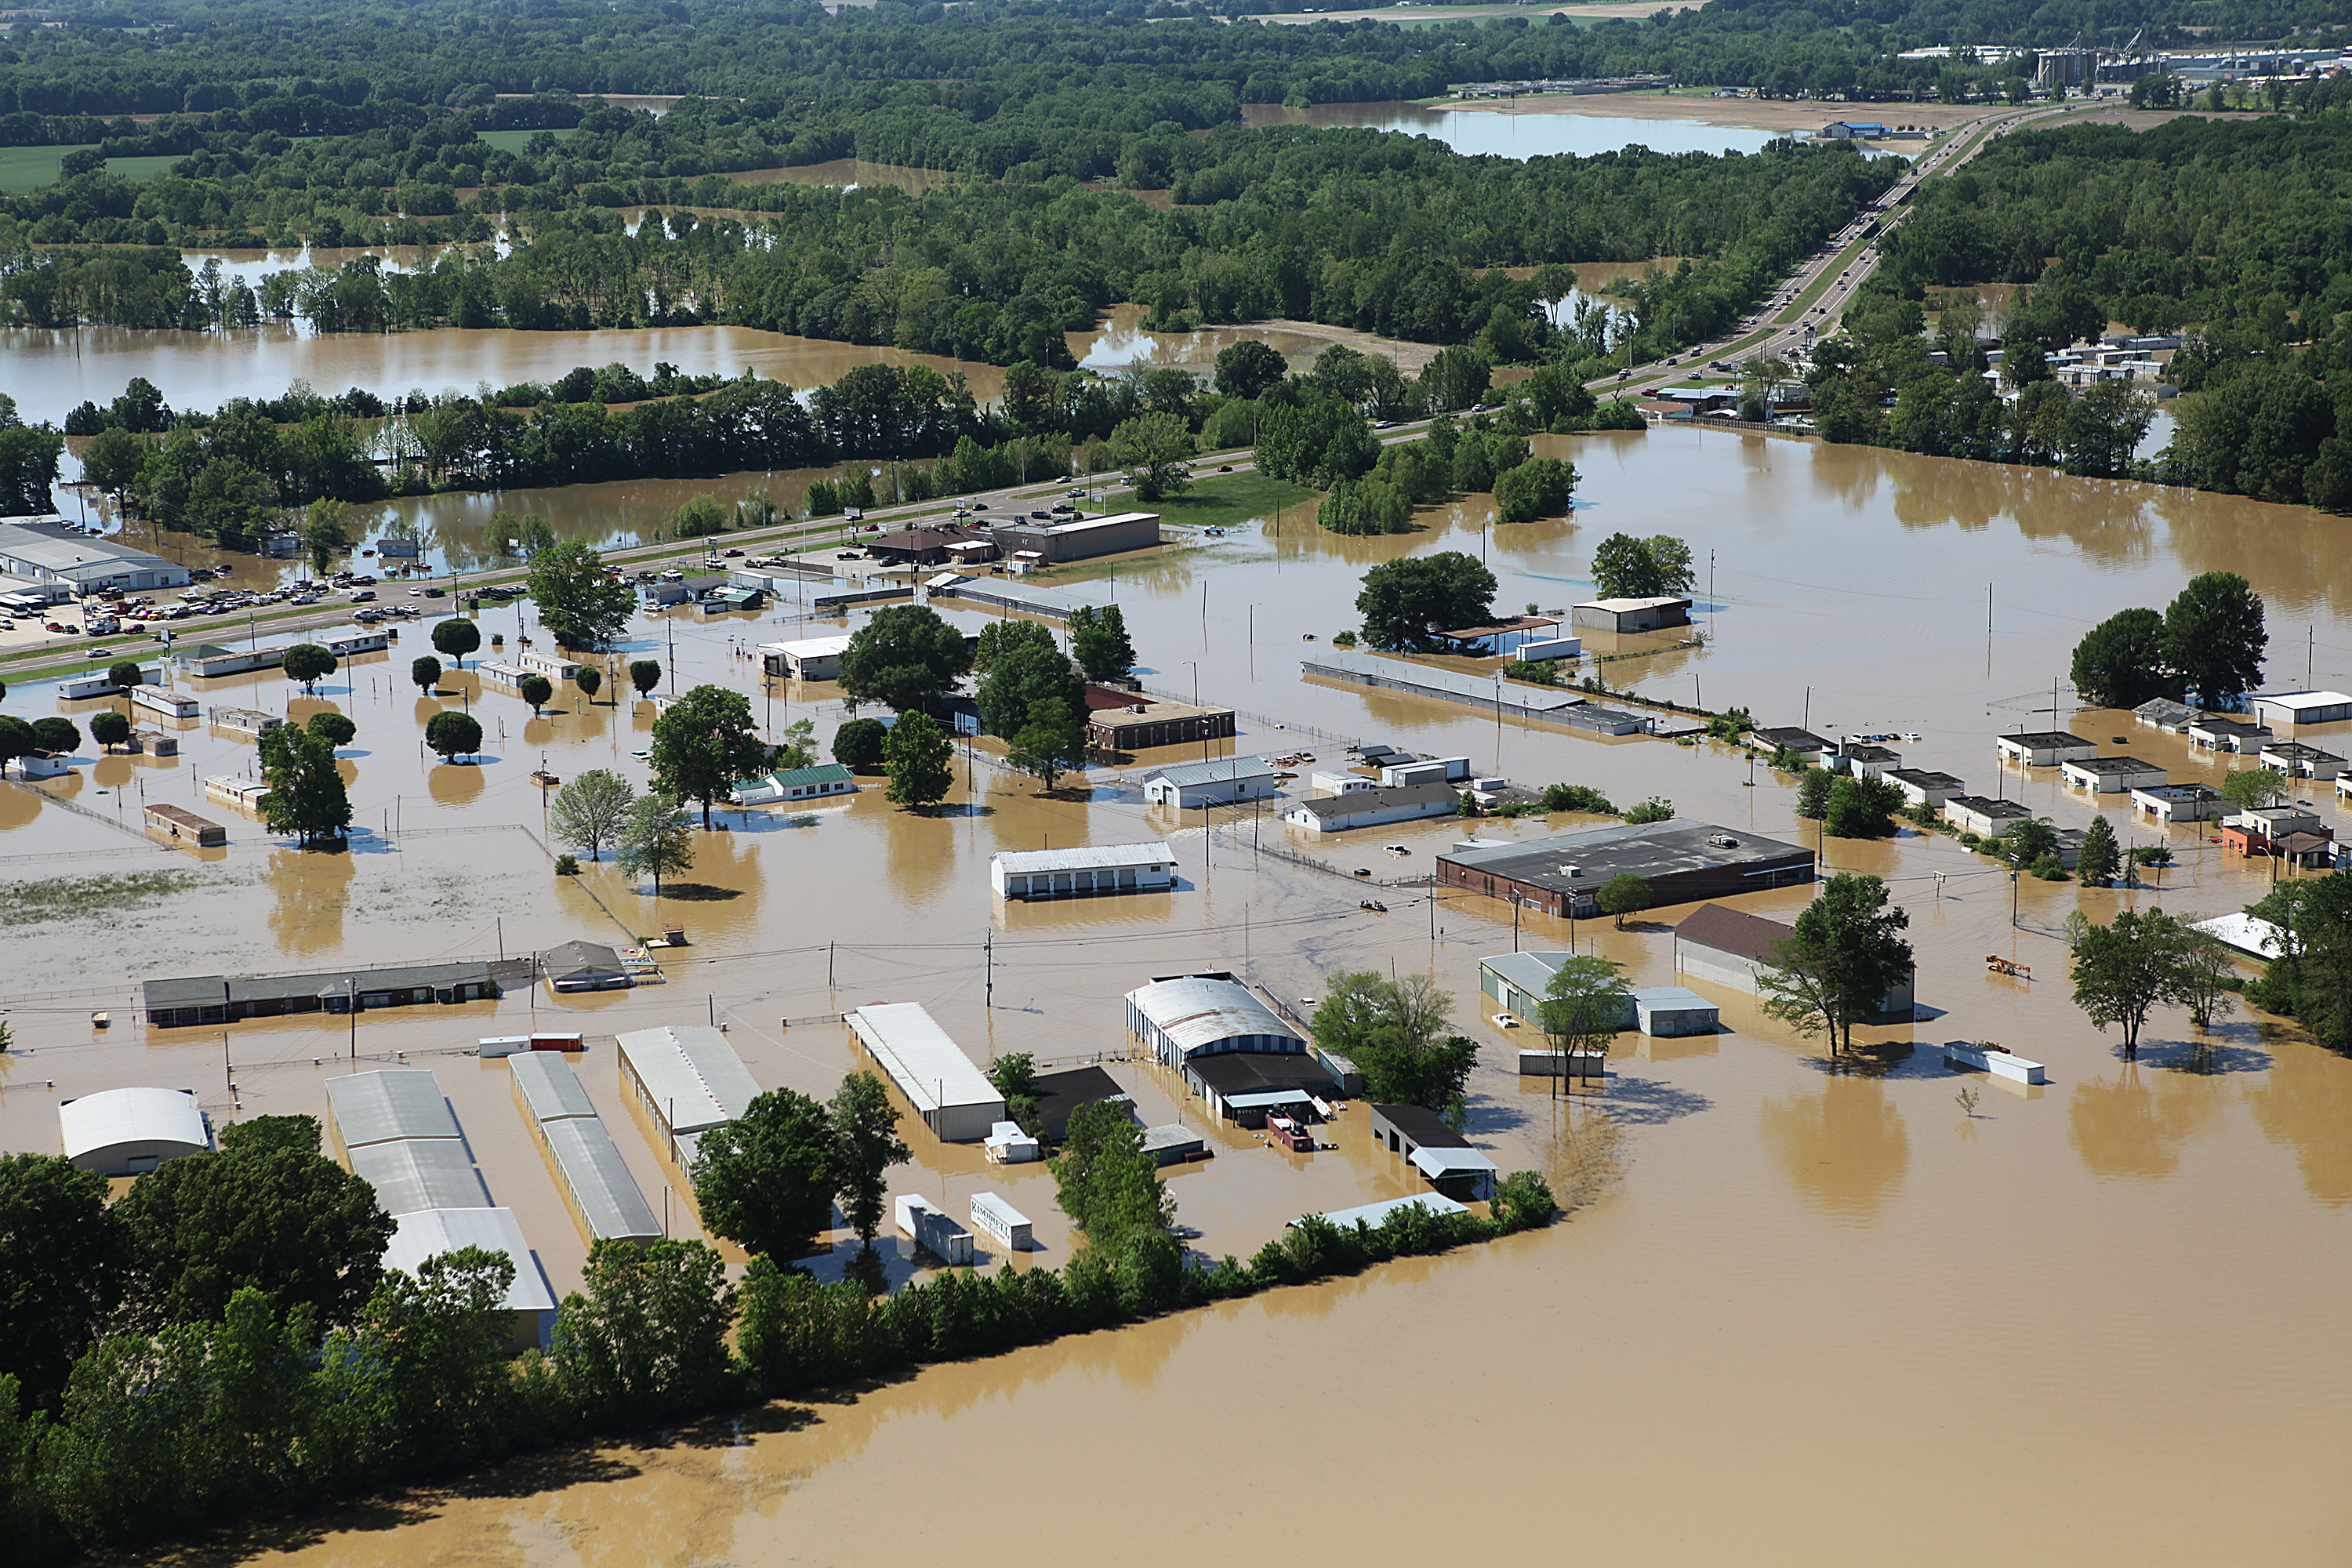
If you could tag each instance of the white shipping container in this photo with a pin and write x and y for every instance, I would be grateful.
(1000, 1222)
(933, 1231)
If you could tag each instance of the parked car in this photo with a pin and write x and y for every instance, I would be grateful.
(730, 552)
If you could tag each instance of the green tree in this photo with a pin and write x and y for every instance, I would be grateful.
(427, 1372)
(109, 729)
(700, 517)
(306, 797)
(1108, 1185)
(590, 811)
(1622, 895)
(1153, 448)
(1861, 807)
(1586, 1002)
(335, 729)
(578, 599)
(1013, 1075)
(704, 743)
(1247, 369)
(1050, 742)
(858, 744)
(1098, 641)
(1406, 603)
(2027, 840)
(452, 734)
(2124, 970)
(268, 1212)
(124, 674)
(647, 1337)
(323, 531)
(1540, 486)
(64, 1264)
(112, 459)
(1845, 954)
(2310, 980)
(457, 638)
(591, 680)
(1025, 670)
(905, 658)
(766, 1179)
(645, 674)
(656, 840)
(1624, 567)
(310, 664)
(1395, 1031)
(2214, 635)
(425, 670)
(16, 739)
(2099, 858)
(866, 1144)
(1813, 793)
(2120, 662)
(57, 734)
(917, 755)
(536, 690)
(2249, 788)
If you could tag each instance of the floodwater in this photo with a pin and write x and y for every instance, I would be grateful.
(1524, 132)
(1859, 1323)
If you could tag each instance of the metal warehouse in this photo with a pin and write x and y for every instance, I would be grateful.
(1186, 1016)
(413, 1173)
(688, 1079)
(604, 1199)
(1681, 860)
(429, 1232)
(953, 1096)
(126, 1131)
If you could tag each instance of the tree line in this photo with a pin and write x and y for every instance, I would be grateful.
(225, 1338)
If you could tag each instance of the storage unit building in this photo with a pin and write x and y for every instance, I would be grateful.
(1444, 1157)
(413, 1173)
(603, 1197)
(385, 1105)
(529, 1303)
(1078, 872)
(546, 1087)
(2043, 748)
(1000, 1222)
(1218, 783)
(128, 1131)
(950, 1094)
(687, 1079)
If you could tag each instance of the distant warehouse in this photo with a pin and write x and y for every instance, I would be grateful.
(1680, 861)
(228, 999)
(1078, 871)
(1080, 537)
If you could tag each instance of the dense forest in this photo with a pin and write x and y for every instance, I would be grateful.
(2234, 230)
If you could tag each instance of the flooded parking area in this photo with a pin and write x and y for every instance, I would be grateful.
(1812, 1311)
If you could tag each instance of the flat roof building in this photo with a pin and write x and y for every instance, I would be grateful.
(1923, 786)
(1444, 1157)
(1681, 860)
(386, 1105)
(1243, 1087)
(1078, 538)
(809, 658)
(1130, 722)
(947, 1091)
(223, 999)
(1623, 616)
(2179, 802)
(2111, 775)
(1374, 807)
(431, 1232)
(1220, 782)
(2297, 760)
(2228, 734)
(1803, 745)
(2043, 748)
(687, 1079)
(1183, 1017)
(1983, 814)
(1060, 1094)
(1081, 871)
(128, 1131)
(53, 550)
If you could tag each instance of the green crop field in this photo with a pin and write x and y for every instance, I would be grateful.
(513, 141)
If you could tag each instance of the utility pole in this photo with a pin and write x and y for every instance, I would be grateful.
(353, 984)
(988, 954)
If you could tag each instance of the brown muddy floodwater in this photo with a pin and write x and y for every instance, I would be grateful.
(1821, 1315)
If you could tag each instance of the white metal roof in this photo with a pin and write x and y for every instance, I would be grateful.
(1093, 857)
(592, 1171)
(1441, 1161)
(928, 1067)
(1625, 606)
(2296, 701)
(809, 647)
(413, 1173)
(395, 1102)
(1194, 1011)
(2247, 933)
(1005, 1213)
(1374, 1213)
(112, 1116)
(549, 1086)
(429, 1232)
(692, 1074)
(1223, 770)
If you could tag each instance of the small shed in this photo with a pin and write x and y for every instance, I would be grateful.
(583, 966)
(1006, 1144)
(1668, 1011)
(128, 1131)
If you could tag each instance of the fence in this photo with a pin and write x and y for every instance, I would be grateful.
(1266, 719)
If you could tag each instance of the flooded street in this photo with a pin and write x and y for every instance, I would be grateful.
(1822, 1314)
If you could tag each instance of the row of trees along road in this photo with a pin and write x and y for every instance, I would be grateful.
(2209, 642)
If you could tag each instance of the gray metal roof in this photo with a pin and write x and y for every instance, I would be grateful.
(396, 1102)
(1224, 770)
(692, 1074)
(413, 1173)
(429, 1232)
(549, 1089)
(1341, 808)
(921, 1058)
(1195, 1011)
(1646, 849)
(1441, 681)
(567, 959)
(186, 991)
(64, 550)
(598, 1181)
(2163, 711)
(1530, 972)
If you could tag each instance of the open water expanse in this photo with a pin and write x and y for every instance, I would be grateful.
(1820, 1316)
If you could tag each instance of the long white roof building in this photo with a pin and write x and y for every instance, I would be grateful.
(125, 1131)
(951, 1095)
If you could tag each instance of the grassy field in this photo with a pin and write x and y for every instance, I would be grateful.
(27, 168)
(513, 141)
(1228, 499)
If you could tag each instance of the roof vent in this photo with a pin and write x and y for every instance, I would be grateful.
(1723, 841)
(1571, 870)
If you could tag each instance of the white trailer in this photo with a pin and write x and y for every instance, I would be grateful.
(933, 1231)
(1000, 1222)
